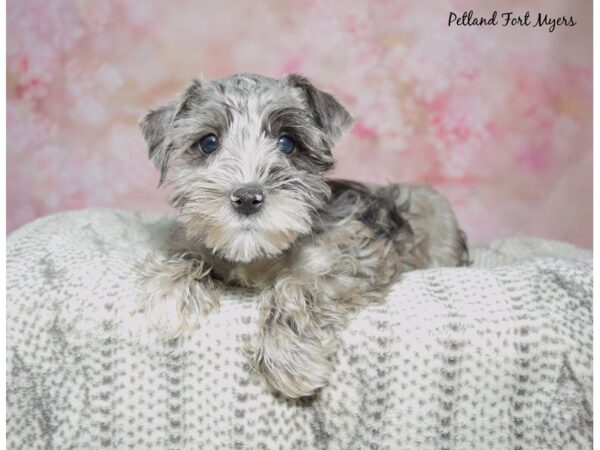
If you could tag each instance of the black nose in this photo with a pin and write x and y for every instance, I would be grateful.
(247, 199)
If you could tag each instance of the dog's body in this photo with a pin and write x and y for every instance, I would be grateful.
(247, 157)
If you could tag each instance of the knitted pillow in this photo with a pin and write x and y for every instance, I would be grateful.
(498, 355)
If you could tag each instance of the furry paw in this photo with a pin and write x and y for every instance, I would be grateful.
(295, 365)
(177, 293)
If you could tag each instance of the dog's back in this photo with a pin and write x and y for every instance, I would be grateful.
(417, 218)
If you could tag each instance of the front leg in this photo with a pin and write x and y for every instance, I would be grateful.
(177, 290)
(296, 337)
(329, 275)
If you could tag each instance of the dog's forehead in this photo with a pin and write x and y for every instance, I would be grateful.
(245, 82)
(252, 94)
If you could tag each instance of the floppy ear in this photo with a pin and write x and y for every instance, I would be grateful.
(157, 123)
(328, 113)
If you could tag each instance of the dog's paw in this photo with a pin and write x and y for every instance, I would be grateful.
(175, 295)
(296, 366)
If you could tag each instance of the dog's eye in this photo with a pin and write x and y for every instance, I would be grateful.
(286, 144)
(209, 144)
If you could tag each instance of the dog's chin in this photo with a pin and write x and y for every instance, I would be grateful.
(245, 244)
(238, 239)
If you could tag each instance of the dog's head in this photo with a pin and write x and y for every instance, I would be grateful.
(246, 156)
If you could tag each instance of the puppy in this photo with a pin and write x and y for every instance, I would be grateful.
(247, 158)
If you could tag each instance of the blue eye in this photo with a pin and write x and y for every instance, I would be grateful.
(209, 144)
(286, 144)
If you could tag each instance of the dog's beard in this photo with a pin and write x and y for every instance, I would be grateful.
(286, 215)
(264, 234)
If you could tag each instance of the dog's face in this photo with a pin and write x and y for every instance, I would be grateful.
(246, 156)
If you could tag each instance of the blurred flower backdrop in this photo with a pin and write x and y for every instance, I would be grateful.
(497, 118)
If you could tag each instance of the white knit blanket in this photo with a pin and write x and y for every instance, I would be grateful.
(495, 356)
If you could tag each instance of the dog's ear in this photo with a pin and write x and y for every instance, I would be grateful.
(156, 125)
(328, 113)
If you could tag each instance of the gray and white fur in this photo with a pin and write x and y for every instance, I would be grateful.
(252, 215)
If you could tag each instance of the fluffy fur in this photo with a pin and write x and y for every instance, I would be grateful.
(316, 250)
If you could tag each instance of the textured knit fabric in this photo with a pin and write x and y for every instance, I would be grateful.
(495, 356)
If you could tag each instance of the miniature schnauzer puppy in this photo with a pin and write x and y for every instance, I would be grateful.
(247, 158)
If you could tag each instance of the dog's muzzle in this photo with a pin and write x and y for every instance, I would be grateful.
(247, 199)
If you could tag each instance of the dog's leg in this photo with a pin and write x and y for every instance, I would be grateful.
(432, 238)
(177, 292)
(302, 313)
(297, 336)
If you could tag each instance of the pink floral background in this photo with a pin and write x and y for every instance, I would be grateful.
(497, 118)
